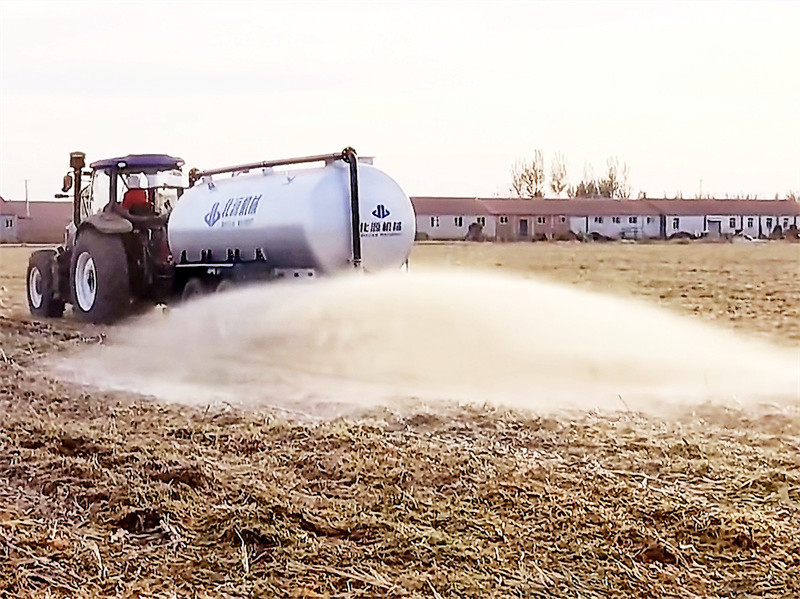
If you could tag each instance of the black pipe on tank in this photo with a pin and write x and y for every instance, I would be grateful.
(350, 157)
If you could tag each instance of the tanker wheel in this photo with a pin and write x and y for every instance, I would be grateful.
(101, 290)
(224, 285)
(194, 288)
(40, 290)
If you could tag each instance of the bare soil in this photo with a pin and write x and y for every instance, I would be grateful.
(117, 495)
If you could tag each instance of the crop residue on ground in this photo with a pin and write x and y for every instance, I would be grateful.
(109, 494)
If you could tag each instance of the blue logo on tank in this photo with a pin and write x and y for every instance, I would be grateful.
(380, 211)
(233, 211)
(213, 215)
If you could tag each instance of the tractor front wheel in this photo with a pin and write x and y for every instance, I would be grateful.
(101, 290)
(41, 292)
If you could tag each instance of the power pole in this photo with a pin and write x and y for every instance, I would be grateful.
(27, 203)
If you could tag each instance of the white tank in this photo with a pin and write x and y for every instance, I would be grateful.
(295, 219)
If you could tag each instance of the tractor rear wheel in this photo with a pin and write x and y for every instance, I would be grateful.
(100, 285)
(40, 285)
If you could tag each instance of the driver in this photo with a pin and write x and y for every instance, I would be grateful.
(135, 198)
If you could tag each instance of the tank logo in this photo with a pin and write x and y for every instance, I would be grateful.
(234, 208)
(213, 215)
(381, 229)
(380, 211)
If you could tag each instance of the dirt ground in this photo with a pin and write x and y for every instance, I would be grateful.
(116, 495)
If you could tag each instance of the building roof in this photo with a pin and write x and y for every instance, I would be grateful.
(46, 210)
(570, 207)
(449, 206)
(603, 207)
(727, 207)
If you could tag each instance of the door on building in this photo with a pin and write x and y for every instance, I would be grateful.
(523, 228)
(715, 228)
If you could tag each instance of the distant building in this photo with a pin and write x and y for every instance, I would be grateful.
(33, 222)
(515, 219)
(451, 218)
(715, 218)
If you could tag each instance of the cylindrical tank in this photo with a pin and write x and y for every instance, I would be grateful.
(294, 219)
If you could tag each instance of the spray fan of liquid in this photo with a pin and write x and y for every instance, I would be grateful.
(337, 346)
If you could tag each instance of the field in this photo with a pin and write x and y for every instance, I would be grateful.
(116, 495)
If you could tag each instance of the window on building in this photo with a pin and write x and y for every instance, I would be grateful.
(540, 220)
(482, 221)
(649, 219)
(598, 219)
(503, 220)
(768, 222)
(563, 219)
(732, 223)
(676, 223)
(632, 219)
(9, 223)
(751, 222)
(434, 221)
(616, 220)
(459, 221)
(785, 223)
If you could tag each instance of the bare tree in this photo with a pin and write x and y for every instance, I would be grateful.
(520, 178)
(615, 183)
(527, 177)
(792, 196)
(588, 186)
(558, 174)
(624, 190)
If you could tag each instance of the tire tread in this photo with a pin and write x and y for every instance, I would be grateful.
(113, 298)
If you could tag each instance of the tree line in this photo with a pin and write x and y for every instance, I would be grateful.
(528, 179)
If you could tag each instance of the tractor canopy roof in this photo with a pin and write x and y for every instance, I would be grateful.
(139, 163)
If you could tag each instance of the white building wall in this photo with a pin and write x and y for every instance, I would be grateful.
(750, 225)
(608, 226)
(768, 223)
(729, 223)
(453, 226)
(694, 225)
(788, 220)
(617, 226)
(577, 224)
(651, 229)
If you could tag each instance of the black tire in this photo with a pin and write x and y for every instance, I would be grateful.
(99, 281)
(194, 288)
(40, 290)
(224, 285)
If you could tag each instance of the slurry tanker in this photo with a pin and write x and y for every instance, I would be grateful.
(144, 232)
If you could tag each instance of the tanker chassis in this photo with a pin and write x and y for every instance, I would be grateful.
(141, 232)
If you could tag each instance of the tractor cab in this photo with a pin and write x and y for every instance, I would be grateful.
(134, 187)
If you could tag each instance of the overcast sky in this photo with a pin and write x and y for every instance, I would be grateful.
(445, 95)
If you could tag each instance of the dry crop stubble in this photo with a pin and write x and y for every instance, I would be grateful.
(110, 494)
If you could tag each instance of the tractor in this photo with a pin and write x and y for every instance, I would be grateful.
(115, 250)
